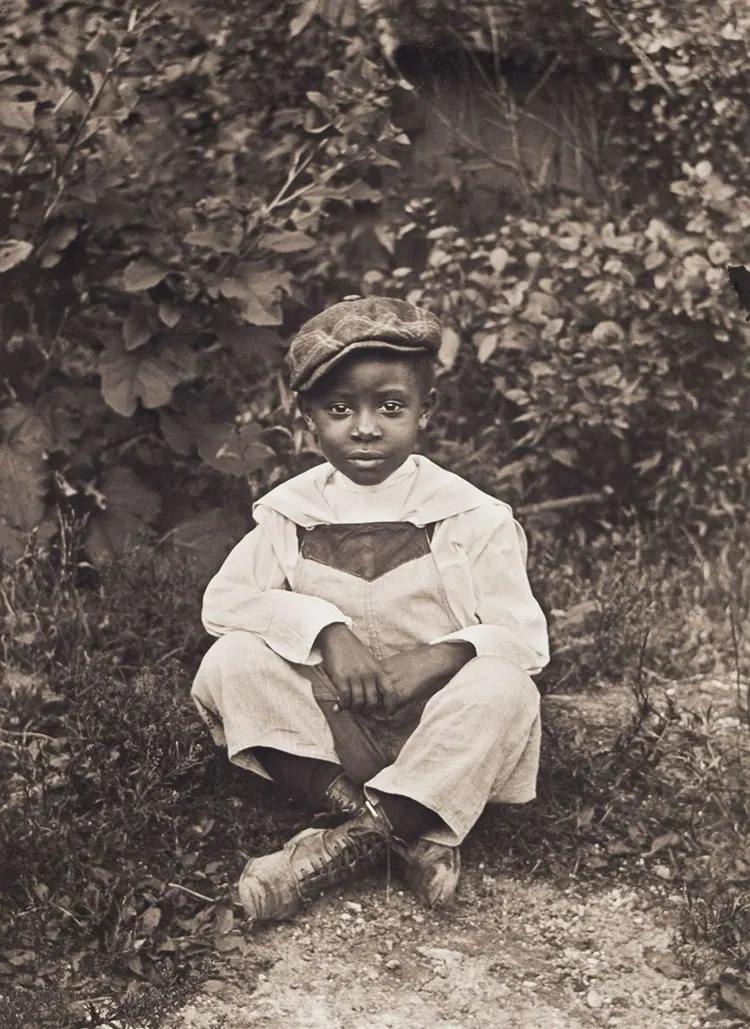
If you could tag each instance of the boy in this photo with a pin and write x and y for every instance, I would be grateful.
(377, 629)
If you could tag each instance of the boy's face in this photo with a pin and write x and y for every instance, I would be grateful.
(367, 413)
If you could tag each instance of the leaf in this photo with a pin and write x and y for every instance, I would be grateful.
(303, 18)
(224, 920)
(207, 238)
(149, 920)
(178, 432)
(142, 274)
(575, 617)
(259, 291)
(249, 343)
(130, 507)
(16, 115)
(514, 468)
(228, 449)
(607, 332)
(565, 456)
(737, 997)
(13, 252)
(215, 987)
(449, 347)
(58, 242)
(649, 463)
(540, 308)
(23, 470)
(137, 328)
(169, 313)
(149, 375)
(287, 242)
(585, 816)
(486, 343)
(667, 839)
(135, 965)
(499, 258)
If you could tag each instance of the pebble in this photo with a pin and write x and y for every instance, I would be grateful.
(393, 965)
(594, 999)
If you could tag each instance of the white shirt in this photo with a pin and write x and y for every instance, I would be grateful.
(479, 549)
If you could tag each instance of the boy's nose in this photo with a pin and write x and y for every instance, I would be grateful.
(366, 426)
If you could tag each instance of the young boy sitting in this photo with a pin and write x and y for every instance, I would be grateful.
(377, 631)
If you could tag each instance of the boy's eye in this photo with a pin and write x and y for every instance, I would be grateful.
(391, 406)
(339, 408)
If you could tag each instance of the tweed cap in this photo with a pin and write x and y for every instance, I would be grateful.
(359, 324)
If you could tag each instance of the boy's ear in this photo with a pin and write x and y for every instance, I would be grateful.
(428, 406)
(304, 409)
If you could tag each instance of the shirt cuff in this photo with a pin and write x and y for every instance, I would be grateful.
(493, 641)
(294, 639)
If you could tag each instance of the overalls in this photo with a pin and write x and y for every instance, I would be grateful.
(475, 740)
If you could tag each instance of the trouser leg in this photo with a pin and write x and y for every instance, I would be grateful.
(251, 697)
(477, 740)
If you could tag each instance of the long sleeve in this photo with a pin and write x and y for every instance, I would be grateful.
(248, 593)
(508, 620)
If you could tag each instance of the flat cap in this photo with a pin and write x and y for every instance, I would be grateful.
(359, 324)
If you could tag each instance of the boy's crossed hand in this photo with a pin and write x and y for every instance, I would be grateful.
(365, 684)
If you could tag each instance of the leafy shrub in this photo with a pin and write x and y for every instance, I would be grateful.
(180, 189)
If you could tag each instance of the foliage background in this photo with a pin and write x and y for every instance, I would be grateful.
(181, 187)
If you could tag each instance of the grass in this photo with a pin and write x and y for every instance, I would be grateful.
(123, 829)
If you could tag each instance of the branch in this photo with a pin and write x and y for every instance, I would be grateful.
(115, 64)
(563, 503)
(297, 168)
(640, 53)
(497, 162)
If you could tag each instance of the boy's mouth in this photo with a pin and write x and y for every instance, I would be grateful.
(366, 463)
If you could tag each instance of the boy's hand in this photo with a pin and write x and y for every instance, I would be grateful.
(421, 672)
(351, 668)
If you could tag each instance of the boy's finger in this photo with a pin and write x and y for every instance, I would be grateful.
(357, 694)
(372, 693)
(385, 690)
(344, 693)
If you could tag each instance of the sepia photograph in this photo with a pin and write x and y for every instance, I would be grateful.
(374, 470)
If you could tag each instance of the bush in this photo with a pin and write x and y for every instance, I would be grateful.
(179, 190)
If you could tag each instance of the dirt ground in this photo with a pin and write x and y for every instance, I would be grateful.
(510, 953)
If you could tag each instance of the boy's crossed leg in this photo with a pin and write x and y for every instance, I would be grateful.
(477, 733)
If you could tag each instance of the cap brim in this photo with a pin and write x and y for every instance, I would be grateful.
(365, 344)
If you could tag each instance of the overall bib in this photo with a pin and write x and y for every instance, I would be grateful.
(475, 740)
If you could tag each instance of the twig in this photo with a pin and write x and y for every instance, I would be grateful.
(467, 141)
(640, 53)
(563, 503)
(282, 197)
(544, 78)
(737, 665)
(61, 181)
(69, 914)
(27, 732)
(641, 691)
(193, 893)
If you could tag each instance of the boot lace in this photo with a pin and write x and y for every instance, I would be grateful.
(359, 848)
